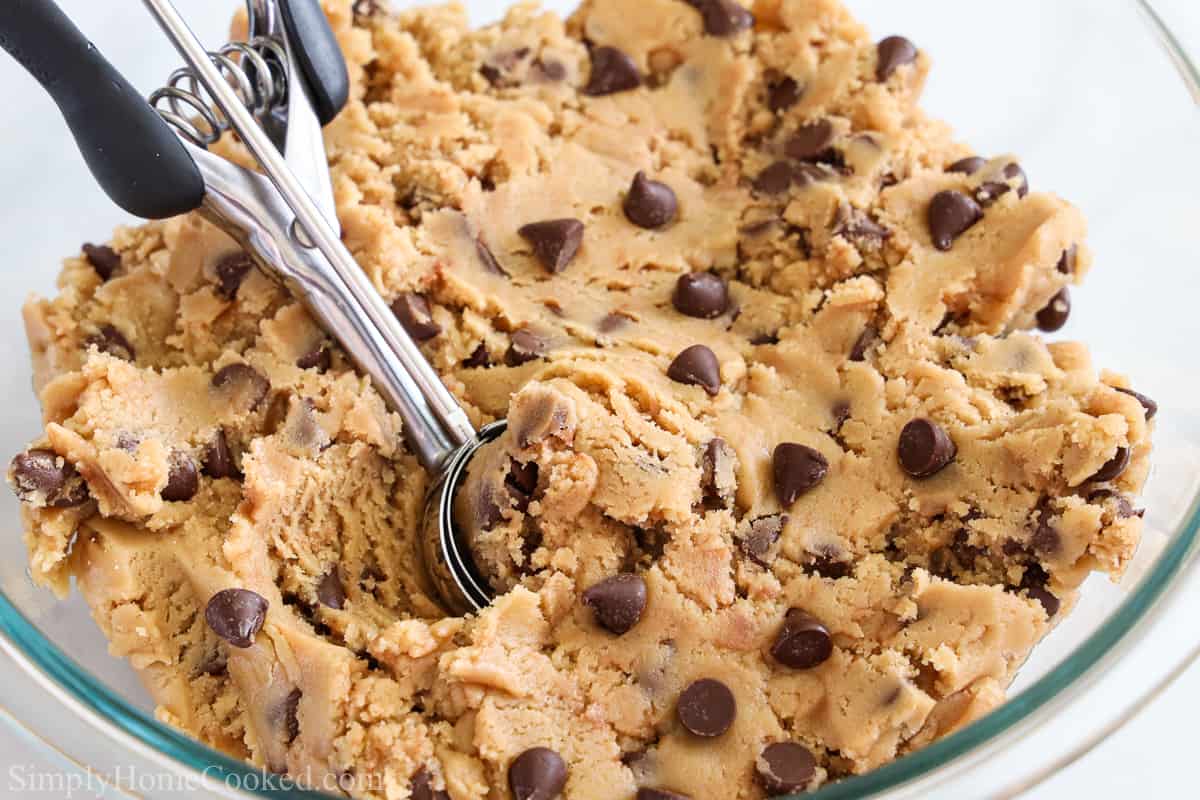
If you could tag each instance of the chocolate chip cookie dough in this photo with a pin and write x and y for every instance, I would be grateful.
(789, 488)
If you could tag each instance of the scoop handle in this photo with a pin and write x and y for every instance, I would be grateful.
(136, 158)
(319, 56)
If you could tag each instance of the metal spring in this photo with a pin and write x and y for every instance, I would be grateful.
(254, 69)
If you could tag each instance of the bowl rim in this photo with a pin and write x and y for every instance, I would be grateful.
(117, 718)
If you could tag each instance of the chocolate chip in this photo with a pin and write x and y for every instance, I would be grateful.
(236, 615)
(554, 241)
(183, 480)
(797, 469)
(491, 73)
(289, 715)
(706, 708)
(488, 259)
(810, 142)
(103, 259)
(612, 71)
(828, 567)
(108, 339)
(783, 94)
(277, 413)
(1046, 539)
(951, 213)
(700, 294)
(330, 591)
(1055, 314)
(893, 53)
(989, 192)
(412, 309)
(243, 384)
(775, 179)
(802, 642)
(1049, 602)
(1112, 468)
(1066, 262)
(1012, 548)
(524, 346)
(716, 466)
(617, 602)
(925, 448)
(857, 225)
(421, 787)
(764, 532)
(521, 482)
(537, 774)
(1150, 407)
(967, 166)
(650, 204)
(42, 477)
(659, 794)
(785, 767)
(319, 358)
(218, 459)
(864, 342)
(942, 562)
(697, 366)
(480, 357)
(723, 17)
(522, 477)
(231, 271)
(1034, 583)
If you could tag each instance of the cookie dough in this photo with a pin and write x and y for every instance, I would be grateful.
(789, 487)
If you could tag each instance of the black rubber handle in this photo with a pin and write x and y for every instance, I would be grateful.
(319, 56)
(135, 157)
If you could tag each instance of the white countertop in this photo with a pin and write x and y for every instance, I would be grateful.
(47, 190)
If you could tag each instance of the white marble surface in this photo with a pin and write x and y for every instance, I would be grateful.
(50, 204)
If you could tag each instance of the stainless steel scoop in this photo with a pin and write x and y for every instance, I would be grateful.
(285, 217)
(291, 228)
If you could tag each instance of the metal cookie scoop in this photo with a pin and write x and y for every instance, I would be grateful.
(273, 91)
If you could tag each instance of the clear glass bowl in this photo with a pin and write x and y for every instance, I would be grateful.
(1089, 95)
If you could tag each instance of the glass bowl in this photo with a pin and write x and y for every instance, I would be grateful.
(1097, 99)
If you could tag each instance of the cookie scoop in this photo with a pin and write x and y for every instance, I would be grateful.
(274, 92)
